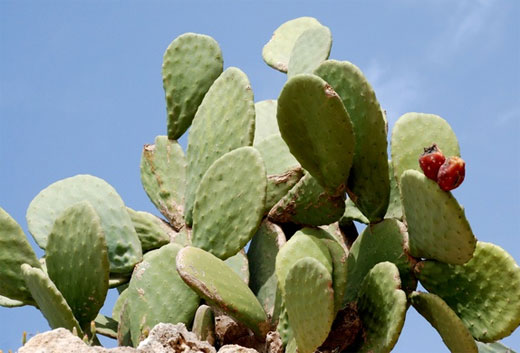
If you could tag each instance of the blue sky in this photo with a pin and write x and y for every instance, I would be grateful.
(81, 92)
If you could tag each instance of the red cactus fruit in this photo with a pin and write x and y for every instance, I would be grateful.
(451, 173)
(431, 160)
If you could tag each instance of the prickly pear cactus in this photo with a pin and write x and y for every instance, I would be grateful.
(258, 242)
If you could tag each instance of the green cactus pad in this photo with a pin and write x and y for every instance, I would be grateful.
(163, 175)
(384, 241)
(190, 65)
(277, 52)
(106, 326)
(412, 133)
(276, 155)
(483, 292)
(117, 280)
(302, 244)
(224, 121)
(82, 275)
(278, 185)
(49, 299)
(437, 226)
(221, 225)
(310, 49)
(317, 128)
(265, 120)
(220, 286)
(152, 231)
(335, 230)
(204, 324)
(307, 203)
(283, 327)
(382, 308)
(157, 294)
(495, 347)
(14, 251)
(262, 252)
(240, 265)
(339, 262)
(368, 185)
(10, 303)
(310, 303)
(352, 213)
(395, 207)
(453, 332)
(118, 305)
(124, 248)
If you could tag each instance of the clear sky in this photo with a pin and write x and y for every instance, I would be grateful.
(81, 92)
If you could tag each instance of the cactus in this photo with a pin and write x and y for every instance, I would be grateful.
(287, 182)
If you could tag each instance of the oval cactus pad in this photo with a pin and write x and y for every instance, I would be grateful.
(82, 275)
(317, 128)
(382, 308)
(265, 120)
(220, 286)
(124, 248)
(14, 251)
(49, 299)
(384, 241)
(368, 185)
(157, 294)
(221, 224)
(190, 65)
(224, 121)
(483, 292)
(437, 226)
(310, 49)
(412, 133)
(277, 52)
(163, 175)
(309, 299)
(453, 332)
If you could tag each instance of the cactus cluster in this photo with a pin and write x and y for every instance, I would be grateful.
(260, 220)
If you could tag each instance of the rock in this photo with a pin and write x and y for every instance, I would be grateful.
(169, 338)
(61, 340)
(234, 348)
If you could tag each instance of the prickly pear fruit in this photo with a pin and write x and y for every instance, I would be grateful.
(451, 173)
(431, 160)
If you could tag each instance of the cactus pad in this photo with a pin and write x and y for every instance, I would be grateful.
(240, 265)
(352, 213)
(483, 292)
(299, 246)
(307, 203)
(10, 303)
(279, 184)
(221, 225)
(368, 185)
(262, 252)
(317, 128)
(277, 52)
(437, 226)
(310, 49)
(412, 133)
(453, 332)
(14, 251)
(204, 324)
(384, 241)
(163, 175)
(310, 303)
(190, 65)
(276, 155)
(49, 299)
(152, 231)
(495, 347)
(395, 207)
(382, 308)
(224, 121)
(124, 248)
(220, 286)
(82, 275)
(157, 294)
(265, 120)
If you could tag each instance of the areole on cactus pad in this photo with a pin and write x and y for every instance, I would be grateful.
(259, 243)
